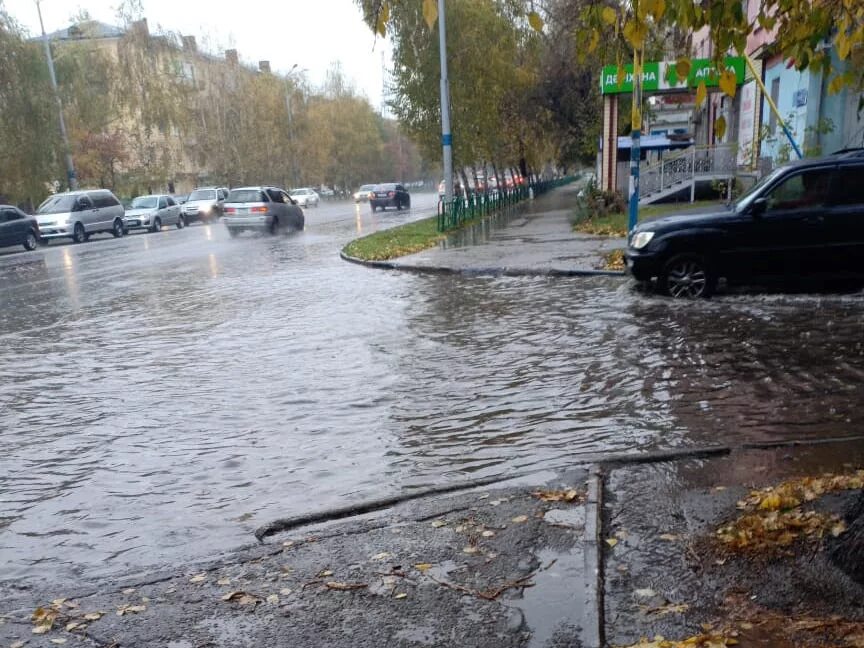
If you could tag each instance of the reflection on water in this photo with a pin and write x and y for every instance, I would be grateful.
(180, 396)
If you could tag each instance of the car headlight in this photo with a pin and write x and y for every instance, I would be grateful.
(641, 239)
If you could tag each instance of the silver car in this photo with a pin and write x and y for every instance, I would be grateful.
(152, 212)
(79, 214)
(205, 204)
(262, 209)
(305, 197)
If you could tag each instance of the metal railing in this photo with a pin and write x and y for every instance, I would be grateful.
(688, 165)
(463, 209)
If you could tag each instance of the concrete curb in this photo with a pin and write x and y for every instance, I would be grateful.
(473, 272)
(592, 633)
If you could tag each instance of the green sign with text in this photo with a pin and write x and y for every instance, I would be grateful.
(661, 76)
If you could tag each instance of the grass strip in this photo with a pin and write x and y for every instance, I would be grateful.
(400, 240)
(616, 224)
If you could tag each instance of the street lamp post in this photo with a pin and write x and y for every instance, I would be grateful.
(446, 135)
(70, 167)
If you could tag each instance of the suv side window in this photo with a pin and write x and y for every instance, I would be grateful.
(171, 202)
(83, 203)
(849, 186)
(163, 203)
(801, 190)
(275, 195)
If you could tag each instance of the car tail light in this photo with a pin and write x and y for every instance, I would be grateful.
(391, 194)
(230, 210)
(258, 210)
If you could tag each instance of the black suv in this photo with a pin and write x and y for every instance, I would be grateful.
(802, 219)
(387, 195)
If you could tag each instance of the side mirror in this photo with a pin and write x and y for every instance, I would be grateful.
(759, 207)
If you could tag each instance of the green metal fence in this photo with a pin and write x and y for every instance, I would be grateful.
(460, 210)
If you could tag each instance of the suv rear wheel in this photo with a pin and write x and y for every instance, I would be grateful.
(78, 234)
(687, 276)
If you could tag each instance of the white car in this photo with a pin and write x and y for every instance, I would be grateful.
(152, 212)
(305, 197)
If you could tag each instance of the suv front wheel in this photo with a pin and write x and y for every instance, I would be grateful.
(687, 276)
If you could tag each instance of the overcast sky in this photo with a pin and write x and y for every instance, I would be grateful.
(311, 33)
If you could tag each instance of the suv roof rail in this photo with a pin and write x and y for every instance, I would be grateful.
(850, 152)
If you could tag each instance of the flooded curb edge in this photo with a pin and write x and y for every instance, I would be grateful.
(495, 271)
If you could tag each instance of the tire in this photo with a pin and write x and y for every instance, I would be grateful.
(408, 204)
(117, 229)
(274, 226)
(687, 276)
(78, 233)
(181, 223)
(31, 242)
(157, 225)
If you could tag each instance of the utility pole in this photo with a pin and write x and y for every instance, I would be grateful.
(636, 137)
(70, 167)
(446, 135)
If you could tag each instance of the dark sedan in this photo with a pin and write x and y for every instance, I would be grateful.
(387, 195)
(17, 228)
(805, 219)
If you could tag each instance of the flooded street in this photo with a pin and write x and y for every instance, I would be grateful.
(164, 395)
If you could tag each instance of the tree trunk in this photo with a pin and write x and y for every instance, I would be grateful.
(847, 551)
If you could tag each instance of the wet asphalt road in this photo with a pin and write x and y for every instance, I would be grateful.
(163, 395)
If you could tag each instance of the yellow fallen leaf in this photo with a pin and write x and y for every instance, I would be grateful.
(470, 550)
(273, 599)
(243, 598)
(325, 573)
(58, 602)
(488, 534)
(423, 567)
(17, 644)
(93, 616)
(669, 537)
(519, 519)
(771, 502)
(535, 21)
(288, 543)
(223, 581)
(41, 629)
(401, 595)
(129, 590)
(838, 529)
(200, 578)
(438, 523)
(381, 556)
(71, 626)
(611, 541)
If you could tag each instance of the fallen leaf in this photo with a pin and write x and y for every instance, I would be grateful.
(669, 608)
(130, 609)
(129, 590)
(71, 626)
(243, 598)
(470, 550)
(438, 523)
(273, 599)
(423, 567)
(568, 495)
(669, 537)
(59, 641)
(223, 581)
(325, 572)
(401, 595)
(288, 543)
(381, 556)
(285, 591)
(41, 629)
(622, 534)
(17, 644)
(460, 528)
(199, 578)
(519, 519)
(838, 529)
(645, 592)
(488, 534)
(484, 496)
(93, 616)
(611, 541)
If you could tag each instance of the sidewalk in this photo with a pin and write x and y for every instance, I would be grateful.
(627, 548)
(533, 239)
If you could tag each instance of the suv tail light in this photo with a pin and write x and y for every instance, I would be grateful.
(258, 210)
(391, 194)
(230, 210)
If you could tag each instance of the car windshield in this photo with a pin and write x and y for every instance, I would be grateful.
(145, 202)
(203, 194)
(749, 195)
(57, 205)
(297, 192)
(245, 196)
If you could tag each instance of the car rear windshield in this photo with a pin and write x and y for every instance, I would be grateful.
(366, 188)
(203, 194)
(144, 202)
(246, 196)
(57, 205)
(385, 187)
